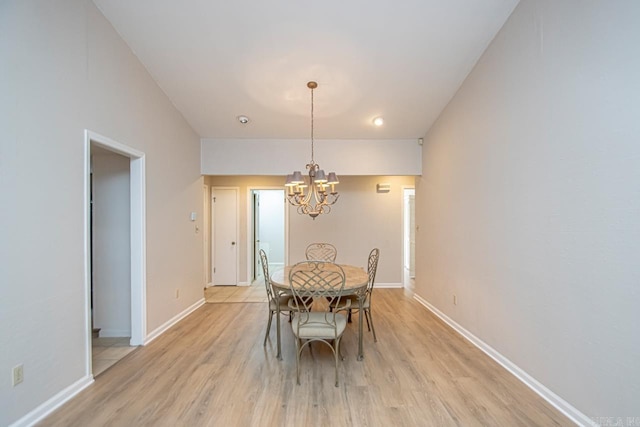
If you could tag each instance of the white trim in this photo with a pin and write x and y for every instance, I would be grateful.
(114, 333)
(559, 403)
(175, 319)
(206, 224)
(138, 251)
(112, 145)
(54, 403)
(404, 245)
(138, 238)
(388, 285)
(87, 257)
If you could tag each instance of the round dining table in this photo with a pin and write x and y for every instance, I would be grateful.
(356, 279)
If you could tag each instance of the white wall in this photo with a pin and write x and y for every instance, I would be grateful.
(64, 69)
(529, 206)
(281, 157)
(111, 251)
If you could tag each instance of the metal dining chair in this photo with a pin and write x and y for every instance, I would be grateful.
(321, 252)
(276, 303)
(372, 267)
(310, 280)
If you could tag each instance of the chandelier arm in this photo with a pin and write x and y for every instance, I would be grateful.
(307, 197)
(317, 196)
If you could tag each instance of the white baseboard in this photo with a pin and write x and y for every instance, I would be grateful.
(54, 403)
(175, 319)
(560, 404)
(388, 285)
(114, 333)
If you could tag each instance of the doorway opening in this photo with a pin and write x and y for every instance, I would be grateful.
(114, 251)
(409, 235)
(268, 230)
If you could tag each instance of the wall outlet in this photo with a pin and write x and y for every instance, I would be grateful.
(177, 293)
(18, 375)
(455, 299)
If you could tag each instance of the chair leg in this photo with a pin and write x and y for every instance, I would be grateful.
(337, 354)
(266, 335)
(366, 317)
(298, 351)
(373, 329)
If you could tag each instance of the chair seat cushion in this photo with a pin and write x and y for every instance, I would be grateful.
(316, 325)
(283, 301)
(354, 303)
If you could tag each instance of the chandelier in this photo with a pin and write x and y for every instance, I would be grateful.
(317, 199)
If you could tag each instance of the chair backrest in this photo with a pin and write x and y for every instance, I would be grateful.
(372, 267)
(321, 252)
(317, 280)
(265, 273)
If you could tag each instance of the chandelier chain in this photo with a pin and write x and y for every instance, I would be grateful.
(312, 162)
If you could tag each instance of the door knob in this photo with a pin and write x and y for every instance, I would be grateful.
(233, 243)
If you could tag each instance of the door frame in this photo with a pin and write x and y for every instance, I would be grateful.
(213, 189)
(137, 215)
(206, 225)
(250, 215)
(405, 227)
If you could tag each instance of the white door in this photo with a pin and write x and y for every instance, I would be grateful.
(225, 235)
(206, 209)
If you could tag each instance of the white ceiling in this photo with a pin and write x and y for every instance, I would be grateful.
(400, 59)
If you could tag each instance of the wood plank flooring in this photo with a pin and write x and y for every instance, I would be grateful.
(212, 370)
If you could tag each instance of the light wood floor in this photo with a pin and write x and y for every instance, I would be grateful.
(212, 370)
(254, 293)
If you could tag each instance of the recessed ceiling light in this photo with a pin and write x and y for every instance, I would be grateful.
(243, 119)
(378, 121)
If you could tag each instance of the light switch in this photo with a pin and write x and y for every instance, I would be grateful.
(193, 216)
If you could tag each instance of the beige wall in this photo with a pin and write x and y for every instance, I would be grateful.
(64, 69)
(361, 220)
(529, 204)
(277, 157)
